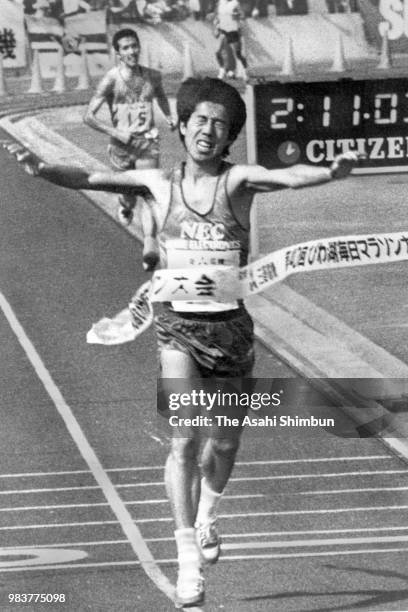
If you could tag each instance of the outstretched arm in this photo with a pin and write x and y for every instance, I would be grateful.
(76, 178)
(259, 178)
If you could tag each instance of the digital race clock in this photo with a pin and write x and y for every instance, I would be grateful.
(301, 122)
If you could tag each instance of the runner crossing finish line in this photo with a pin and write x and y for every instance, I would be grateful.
(206, 336)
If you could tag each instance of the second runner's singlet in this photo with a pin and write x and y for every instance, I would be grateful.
(130, 103)
(189, 239)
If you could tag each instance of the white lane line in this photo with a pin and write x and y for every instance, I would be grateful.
(320, 475)
(54, 525)
(255, 534)
(142, 502)
(161, 467)
(315, 542)
(223, 559)
(316, 460)
(75, 472)
(118, 507)
(294, 512)
(298, 554)
(49, 490)
(338, 491)
(234, 479)
(246, 515)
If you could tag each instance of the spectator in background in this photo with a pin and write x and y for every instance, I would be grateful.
(228, 29)
(120, 11)
(201, 8)
(156, 11)
(60, 9)
(29, 7)
(195, 8)
(41, 9)
(73, 7)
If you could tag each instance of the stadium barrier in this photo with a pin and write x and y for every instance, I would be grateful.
(188, 67)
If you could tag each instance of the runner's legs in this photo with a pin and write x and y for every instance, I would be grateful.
(182, 473)
(182, 478)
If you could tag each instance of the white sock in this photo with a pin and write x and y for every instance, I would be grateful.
(187, 551)
(208, 504)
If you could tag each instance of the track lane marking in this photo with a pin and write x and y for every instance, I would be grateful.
(316, 460)
(234, 479)
(255, 534)
(338, 491)
(74, 472)
(160, 467)
(127, 503)
(320, 475)
(88, 454)
(168, 519)
(317, 542)
(222, 559)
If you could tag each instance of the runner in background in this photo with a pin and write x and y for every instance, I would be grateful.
(128, 89)
(202, 209)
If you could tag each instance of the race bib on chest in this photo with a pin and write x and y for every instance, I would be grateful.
(136, 114)
(191, 253)
(202, 244)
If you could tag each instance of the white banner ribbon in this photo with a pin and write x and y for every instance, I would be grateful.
(224, 284)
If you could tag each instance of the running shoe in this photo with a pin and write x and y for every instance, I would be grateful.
(208, 540)
(221, 74)
(189, 587)
(231, 74)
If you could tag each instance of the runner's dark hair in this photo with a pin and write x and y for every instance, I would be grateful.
(193, 91)
(125, 32)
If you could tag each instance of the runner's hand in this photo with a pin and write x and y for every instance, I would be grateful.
(124, 136)
(31, 163)
(344, 163)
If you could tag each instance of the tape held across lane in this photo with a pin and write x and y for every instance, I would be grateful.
(226, 284)
(222, 283)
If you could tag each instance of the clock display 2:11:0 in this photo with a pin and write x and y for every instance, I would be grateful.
(345, 110)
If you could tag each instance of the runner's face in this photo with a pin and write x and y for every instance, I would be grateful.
(128, 51)
(206, 133)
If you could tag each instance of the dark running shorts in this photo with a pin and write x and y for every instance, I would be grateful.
(221, 344)
(124, 157)
(231, 37)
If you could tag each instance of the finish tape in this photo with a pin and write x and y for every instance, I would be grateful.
(223, 284)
